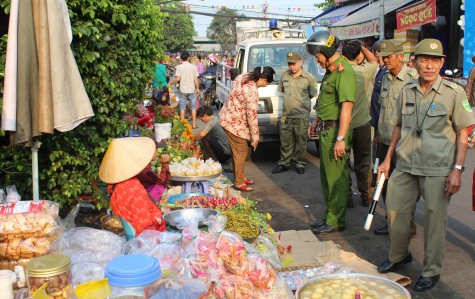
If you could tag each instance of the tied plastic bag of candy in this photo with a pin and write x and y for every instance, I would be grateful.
(144, 243)
(297, 278)
(279, 290)
(12, 194)
(169, 253)
(268, 251)
(230, 248)
(178, 288)
(260, 272)
(234, 287)
(91, 240)
(189, 266)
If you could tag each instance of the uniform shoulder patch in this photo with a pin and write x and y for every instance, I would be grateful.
(341, 67)
(412, 72)
(452, 85)
(466, 105)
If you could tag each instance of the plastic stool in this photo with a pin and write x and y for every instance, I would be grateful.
(203, 185)
(129, 230)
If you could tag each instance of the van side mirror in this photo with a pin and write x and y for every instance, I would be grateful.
(234, 73)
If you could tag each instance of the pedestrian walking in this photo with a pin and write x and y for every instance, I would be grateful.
(298, 87)
(431, 114)
(187, 75)
(238, 117)
(365, 65)
(397, 75)
(334, 108)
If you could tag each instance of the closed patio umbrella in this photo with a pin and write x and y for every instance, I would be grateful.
(43, 89)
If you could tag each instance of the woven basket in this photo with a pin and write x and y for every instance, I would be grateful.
(112, 224)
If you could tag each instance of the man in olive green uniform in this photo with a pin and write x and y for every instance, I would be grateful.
(298, 87)
(334, 108)
(431, 114)
(365, 72)
(397, 75)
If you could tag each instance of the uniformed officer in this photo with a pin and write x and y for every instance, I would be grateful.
(397, 75)
(298, 87)
(365, 65)
(334, 108)
(431, 114)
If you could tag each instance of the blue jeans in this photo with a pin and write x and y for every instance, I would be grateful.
(184, 96)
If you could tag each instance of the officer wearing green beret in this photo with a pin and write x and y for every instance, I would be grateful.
(431, 114)
(397, 75)
(334, 108)
(298, 87)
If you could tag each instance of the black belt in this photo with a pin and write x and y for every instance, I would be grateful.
(327, 124)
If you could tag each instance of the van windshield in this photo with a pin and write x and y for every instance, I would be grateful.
(275, 56)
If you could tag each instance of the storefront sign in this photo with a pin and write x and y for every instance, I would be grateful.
(415, 15)
(329, 21)
(356, 31)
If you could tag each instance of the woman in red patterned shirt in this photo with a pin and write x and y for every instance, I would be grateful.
(238, 117)
(123, 161)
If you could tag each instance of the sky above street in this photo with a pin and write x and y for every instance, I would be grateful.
(276, 8)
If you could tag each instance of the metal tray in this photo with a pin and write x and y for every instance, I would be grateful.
(194, 178)
(375, 286)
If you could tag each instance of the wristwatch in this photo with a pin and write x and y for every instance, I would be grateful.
(340, 138)
(459, 167)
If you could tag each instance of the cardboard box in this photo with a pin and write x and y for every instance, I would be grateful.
(407, 35)
(409, 47)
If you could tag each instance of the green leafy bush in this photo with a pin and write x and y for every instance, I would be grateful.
(115, 44)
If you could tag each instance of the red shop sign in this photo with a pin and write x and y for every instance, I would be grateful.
(415, 15)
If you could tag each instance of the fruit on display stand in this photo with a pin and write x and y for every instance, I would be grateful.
(195, 167)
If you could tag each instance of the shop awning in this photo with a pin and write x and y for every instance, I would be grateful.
(338, 13)
(364, 22)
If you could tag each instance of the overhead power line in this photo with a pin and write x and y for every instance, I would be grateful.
(236, 17)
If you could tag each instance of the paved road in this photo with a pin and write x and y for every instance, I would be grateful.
(296, 200)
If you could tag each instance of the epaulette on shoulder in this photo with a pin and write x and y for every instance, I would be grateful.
(452, 85)
(412, 72)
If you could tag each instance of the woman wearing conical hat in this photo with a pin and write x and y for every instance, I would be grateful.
(124, 166)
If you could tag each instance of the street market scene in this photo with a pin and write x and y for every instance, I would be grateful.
(212, 149)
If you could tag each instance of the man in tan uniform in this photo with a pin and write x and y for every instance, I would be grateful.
(397, 75)
(360, 142)
(431, 114)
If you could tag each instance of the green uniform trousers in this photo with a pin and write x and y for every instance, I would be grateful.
(404, 189)
(293, 141)
(334, 176)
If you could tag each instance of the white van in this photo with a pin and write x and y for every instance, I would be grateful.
(267, 48)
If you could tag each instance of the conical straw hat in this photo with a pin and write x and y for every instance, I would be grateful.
(125, 158)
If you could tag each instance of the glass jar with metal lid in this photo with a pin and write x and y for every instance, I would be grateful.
(54, 270)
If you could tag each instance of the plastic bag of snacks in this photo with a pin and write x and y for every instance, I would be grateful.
(27, 228)
(180, 288)
(260, 272)
(231, 249)
(234, 287)
(279, 290)
(268, 251)
(91, 240)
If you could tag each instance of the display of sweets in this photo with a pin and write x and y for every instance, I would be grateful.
(195, 167)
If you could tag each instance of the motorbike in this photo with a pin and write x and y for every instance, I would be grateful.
(456, 76)
(208, 86)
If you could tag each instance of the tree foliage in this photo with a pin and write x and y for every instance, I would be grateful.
(115, 44)
(179, 30)
(223, 29)
(325, 4)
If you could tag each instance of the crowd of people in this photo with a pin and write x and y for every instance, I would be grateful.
(370, 102)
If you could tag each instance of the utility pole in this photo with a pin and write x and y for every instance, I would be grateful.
(381, 19)
(264, 9)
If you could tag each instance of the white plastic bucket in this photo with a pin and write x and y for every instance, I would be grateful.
(162, 131)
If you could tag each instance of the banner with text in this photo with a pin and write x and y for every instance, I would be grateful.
(415, 15)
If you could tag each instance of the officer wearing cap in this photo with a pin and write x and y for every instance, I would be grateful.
(334, 108)
(431, 114)
(298, 87)
(397, 75)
